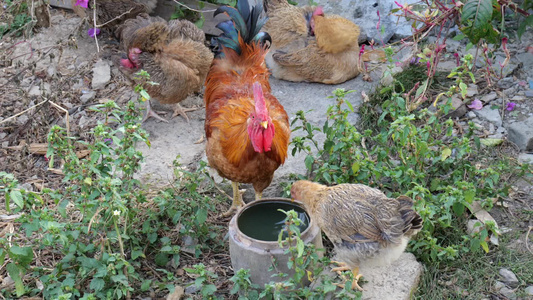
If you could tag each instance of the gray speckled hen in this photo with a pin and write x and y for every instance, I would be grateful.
(365, 226)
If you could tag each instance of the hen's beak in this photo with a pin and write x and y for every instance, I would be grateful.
(264, 124)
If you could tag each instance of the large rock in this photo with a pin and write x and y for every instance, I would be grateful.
(101, 74)
(521, 133)
(365, 14)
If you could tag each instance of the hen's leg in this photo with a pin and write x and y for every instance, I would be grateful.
(344, 267)
(237, 200)
(151, 113)
(178, 110)
(258, 195)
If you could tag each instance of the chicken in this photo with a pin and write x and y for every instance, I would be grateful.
(173, 53)
(308, 45)
(365, 226)
(110, 13)
(247, 129)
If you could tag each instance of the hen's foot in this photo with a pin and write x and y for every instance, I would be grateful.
(178, 110)
(151, 113)
(356, 276)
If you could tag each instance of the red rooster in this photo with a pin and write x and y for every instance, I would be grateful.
(247, 129)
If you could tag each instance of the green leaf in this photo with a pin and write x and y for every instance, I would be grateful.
(145, 286)
(144, 94)
(485, 246)
(464, 89)
(14, 272)
(2, 256)
(459, 37)
(209, 289)
(17, 198)
(445, 154)
(201, 215)
(136, 254)
(22, 255)
(349, 105)
(528, 22)
(458, 208)
(469, 195)
(161, 259)
(476, 15)
(355, 167)
(491, 142)
(469, 46)
(309, 162)
(97, 284)
(300, 247)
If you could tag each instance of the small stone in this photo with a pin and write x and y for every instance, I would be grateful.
(510, 91)
(51, 71)
(508, 277)
(489, 97)
(471, 91)
(191, 289)
(491, 115)
(459, 108)
(518, 98)
(491, 128)
(101, 74)
(446, 66)
(507, 292)
(34, 91)
(88, 96)
(529, 290)
(505, 83)
(84, 121)
(528, 93)
(22, 119)
(499, 285)
(471, 115)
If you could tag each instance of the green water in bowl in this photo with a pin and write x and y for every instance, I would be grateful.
(264, 222)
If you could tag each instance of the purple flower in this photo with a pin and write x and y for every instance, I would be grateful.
(476, 104)
(108, 141)
(93, 31)
(510, 106)
(82, 3)
(414, 60)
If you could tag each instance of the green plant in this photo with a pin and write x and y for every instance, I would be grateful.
(204, 280)
(412, 153)
(16, 18)
(243, 285)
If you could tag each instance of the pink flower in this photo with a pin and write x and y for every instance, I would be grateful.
(379, 21)
(93, 31)
(457, 61)
(82, 3)
(510, 106)
(476, 104)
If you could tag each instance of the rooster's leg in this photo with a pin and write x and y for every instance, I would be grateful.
(258, 195)
(237, 200)
(178, 110)
(151, 113)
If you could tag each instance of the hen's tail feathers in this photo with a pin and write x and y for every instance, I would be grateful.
(411, 218)
(245, 24)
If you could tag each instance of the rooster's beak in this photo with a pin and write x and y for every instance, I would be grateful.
(264, 124)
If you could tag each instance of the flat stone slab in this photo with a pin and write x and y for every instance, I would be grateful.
(397, 281)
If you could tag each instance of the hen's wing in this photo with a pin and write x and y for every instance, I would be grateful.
(359, 214)
(185, 29)
(288, 24)
(142, 32)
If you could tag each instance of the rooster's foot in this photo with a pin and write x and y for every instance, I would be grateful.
(151, 113)
(178, 110)
(237, 200)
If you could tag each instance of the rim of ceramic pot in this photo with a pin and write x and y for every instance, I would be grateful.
(300, 204)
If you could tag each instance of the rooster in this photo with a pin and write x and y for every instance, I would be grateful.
(364, 225)
(309, 45)
(172, 53)
(247, 129)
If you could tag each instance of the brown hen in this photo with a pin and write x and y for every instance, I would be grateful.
(172, 53)
(308, 45)
(365, 226)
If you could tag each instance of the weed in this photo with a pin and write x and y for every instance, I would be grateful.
(413, 153)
